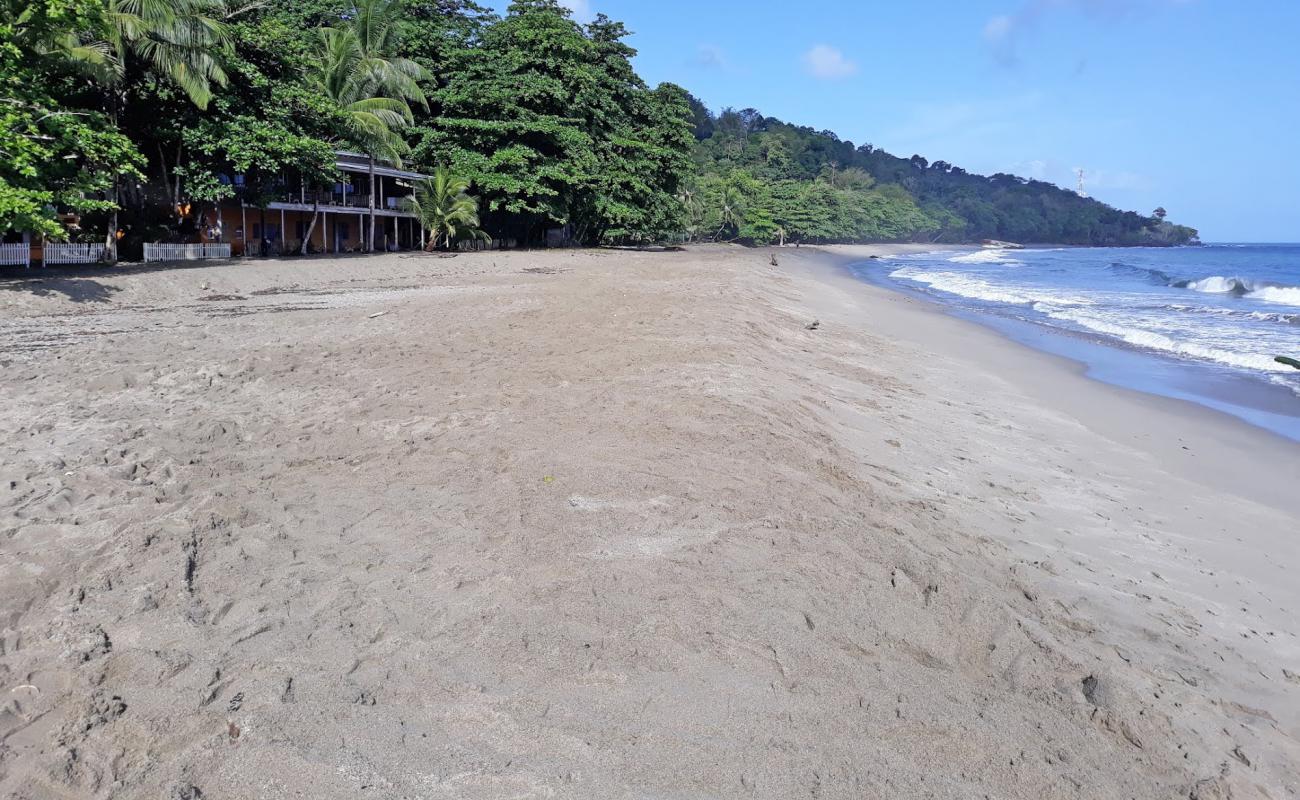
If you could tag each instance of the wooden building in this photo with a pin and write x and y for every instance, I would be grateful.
(344, 214)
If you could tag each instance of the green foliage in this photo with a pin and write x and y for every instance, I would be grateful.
(261, 148)
(552, 125)
(51, 157)
(147, 105)
(823, 189)
(444, 207)
(357, 68)
(183, 41)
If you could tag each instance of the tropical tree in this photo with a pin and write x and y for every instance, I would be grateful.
(357, 68)
(181, 41)
(51, 156)
(731, 210)
(444, 206)
(177, 42)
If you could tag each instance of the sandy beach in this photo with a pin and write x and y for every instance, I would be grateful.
(612, 524)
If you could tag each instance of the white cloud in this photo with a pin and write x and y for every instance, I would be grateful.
(710, 55)
(1002, 32)
(827, 63)
(999, 28)
(582, 11)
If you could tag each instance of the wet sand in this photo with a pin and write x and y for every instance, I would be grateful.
(617, 525)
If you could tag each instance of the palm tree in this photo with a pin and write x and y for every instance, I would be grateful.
(694, 212)
(356, 69)
(182, 41)
(731, 210)
(443, 205)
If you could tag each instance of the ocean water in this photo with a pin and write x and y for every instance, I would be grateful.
(1198, 323)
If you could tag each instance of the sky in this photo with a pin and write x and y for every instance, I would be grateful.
(1193, 105)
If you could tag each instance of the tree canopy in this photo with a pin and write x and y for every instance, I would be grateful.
(125, 112)
(812, 186)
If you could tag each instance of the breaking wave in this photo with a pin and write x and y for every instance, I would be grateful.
(986, 257)
(977, 289)
(1158, 341)
(1242, 287)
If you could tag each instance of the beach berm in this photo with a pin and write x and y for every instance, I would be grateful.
(611, 524)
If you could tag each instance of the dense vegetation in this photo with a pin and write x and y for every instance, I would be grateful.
(760, 179)
(124, 115)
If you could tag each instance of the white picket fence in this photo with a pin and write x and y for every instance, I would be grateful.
(185, 252)
(71, 253)
(12, 255)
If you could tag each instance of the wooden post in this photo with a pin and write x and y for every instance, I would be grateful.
(243, 231)
(370, 237)
(281, 247)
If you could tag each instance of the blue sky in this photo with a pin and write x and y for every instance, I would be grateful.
(1189, 104)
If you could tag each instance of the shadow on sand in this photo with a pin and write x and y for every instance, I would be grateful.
(76, 289)
(83, 284)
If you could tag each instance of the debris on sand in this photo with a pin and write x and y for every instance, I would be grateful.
(814, 325)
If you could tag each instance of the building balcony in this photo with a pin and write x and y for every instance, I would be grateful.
(339, 202)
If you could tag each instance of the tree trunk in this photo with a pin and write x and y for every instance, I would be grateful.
(370, 245)
(315, 214)
(110, 241)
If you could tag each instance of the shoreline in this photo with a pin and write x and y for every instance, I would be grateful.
(1249, 397)
(1101, 404)
(607, 523)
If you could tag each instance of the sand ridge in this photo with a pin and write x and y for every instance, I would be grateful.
(570, 524)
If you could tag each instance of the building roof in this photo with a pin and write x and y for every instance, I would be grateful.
(361, 162)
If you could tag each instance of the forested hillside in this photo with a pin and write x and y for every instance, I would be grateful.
(760, 179)
(124, 116)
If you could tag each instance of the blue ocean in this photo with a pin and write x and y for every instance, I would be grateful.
(1205, 323)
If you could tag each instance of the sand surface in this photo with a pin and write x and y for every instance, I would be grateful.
(616, 525)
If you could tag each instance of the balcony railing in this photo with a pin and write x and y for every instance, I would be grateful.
(338, 200)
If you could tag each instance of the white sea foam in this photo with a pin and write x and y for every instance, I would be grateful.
(1243, 287)
(1222, 319)
(1282, 295)
(979, 289)
(1215, 285)
(1154, 340)
(986, 257)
